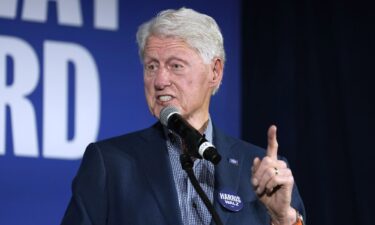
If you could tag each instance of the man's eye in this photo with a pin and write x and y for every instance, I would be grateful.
(177, 66)
(151, 67)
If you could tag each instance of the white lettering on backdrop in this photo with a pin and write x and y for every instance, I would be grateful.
(19, 60)
(69, 12)
(57, 56)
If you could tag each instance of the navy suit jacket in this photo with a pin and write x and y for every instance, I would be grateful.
(127, 180)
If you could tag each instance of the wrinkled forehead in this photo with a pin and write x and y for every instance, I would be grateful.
(160, 44)
(165, 39)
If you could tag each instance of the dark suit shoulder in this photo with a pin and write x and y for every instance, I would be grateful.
(131, 142)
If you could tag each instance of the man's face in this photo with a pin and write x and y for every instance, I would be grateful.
(175, 74)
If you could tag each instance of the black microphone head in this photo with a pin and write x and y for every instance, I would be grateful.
(166, 112)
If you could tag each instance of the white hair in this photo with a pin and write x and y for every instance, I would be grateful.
(198, 30)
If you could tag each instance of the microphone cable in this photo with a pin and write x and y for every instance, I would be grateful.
(187, 165)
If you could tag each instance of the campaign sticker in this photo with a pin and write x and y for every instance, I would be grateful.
(230, 200)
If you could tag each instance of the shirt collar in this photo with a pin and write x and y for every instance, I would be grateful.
(209, 131)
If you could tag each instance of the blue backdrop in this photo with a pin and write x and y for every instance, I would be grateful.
(69, 75)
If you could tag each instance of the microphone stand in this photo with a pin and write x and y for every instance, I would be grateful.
(187, 164)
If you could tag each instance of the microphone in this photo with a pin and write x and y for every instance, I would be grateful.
(196, 143)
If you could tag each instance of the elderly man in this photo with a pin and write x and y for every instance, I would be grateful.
(137, 178)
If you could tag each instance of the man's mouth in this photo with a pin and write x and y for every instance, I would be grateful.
(164, 98)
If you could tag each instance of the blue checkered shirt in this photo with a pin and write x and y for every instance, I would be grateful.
(193, 210)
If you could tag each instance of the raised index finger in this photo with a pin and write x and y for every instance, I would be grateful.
(272, 142)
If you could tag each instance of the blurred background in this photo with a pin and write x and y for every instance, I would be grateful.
(70, 75)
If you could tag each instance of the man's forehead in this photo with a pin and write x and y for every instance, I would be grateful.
(156, 42)
(163, 37)
(167, 46)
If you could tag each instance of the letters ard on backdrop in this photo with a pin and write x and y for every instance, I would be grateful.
(22, 71)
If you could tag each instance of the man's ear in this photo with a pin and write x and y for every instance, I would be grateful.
(217, 71)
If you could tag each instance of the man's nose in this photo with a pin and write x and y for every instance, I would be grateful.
(162, 79)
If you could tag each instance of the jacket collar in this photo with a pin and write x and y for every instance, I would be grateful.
(153, 154)
(228, 171)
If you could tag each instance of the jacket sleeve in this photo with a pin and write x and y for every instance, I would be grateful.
(297, 202)
(88, 204)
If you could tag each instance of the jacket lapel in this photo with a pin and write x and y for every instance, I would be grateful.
(227, 172)
(155, 161)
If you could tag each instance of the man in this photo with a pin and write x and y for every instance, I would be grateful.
(137, 179)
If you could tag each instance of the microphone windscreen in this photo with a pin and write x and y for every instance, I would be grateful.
(166, 112)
